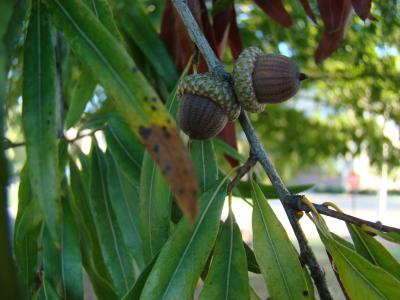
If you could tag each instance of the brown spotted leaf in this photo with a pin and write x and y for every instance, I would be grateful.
(308, 10)
(331, 14)
(330, 42)
(165, 146)
(136, 100)
(276, 10)
(362, 8)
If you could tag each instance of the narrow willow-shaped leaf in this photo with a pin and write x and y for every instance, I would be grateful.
(102, 11)
(135, 98)
(251, 259)
(51, 263)
(94, 264)
(27, 228)
(361, 279)
(393, 237)
(227, 149)
(40, 116)
(124, 197)
(372, 250)
(80, 96)
(48, 291)
(102, 288)
(276, 256)
(71, 261)
(205, 163)
(112, 245)
(228, 270)
(155, 207)
(140, 29)
(125, 148)
(137, 289)
(183, 257)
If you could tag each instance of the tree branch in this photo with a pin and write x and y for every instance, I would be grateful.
(215, 66)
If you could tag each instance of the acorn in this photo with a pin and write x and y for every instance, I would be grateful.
(264, 78)
(207, 103)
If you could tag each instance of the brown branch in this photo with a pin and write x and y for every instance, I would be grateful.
(243, 170)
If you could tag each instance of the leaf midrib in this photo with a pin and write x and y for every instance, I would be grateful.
(202, 216)
(274, 250)
(102, 58)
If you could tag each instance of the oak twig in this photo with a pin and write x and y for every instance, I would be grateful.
(215, 65)
(291, 203)
(243, 170)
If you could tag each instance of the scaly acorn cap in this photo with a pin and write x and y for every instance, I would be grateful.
(264, 78)
(243, 79)
(213, 87)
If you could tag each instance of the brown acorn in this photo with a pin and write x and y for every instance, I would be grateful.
(207, 104)
(264, 78)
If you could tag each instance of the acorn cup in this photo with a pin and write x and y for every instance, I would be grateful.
(207, 103)
(264, 78)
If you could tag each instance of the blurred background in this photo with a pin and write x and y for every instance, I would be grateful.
(341, 133)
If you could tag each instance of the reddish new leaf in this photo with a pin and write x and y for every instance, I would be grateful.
(331, 14)
(276, 10)
(221, 26)
(331, 41)
(235, 41)
(175, 35)
(362, 8)
(307, 9)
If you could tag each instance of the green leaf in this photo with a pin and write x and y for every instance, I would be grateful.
(40, 116)
(220, 5)
(135, 98)
(393, 237)
(114, 251)
(183, 257)
(155, 207)
(137, 289)
(227, 149)
(228, 269)
(140, 29)
(269, 192)
(205, 163)
(124, 197)
(48, 292)
(102, 288)
(92, 257)
(27, 228)
(80, 96)
(276, 256)
(103, 12)
(13, 30)
(71, 262)
(251, 259)
(372, 250)
(125, 148)
(361, 279)
(51, 263)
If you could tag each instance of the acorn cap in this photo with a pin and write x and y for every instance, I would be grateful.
(214, 88)
(243, 79)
